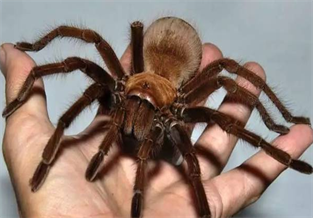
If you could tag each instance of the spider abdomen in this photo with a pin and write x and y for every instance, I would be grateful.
(172, 49)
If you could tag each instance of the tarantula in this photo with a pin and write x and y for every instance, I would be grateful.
(156, 101)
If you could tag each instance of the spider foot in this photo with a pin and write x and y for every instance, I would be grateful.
(300, 120)
(24, 46)
(137, 24)
(11, 108)
(93, 166)
(39, 176)
(136, 204)
(301, 166)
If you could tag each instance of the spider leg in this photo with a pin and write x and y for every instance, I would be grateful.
(111, 136)
(137, 47)
(132, 105)
(232, 126)
(68, 65)
(53, 145)
(233, 67)
(236, 93)
(86, 35)
(142, 157)
(179, 137)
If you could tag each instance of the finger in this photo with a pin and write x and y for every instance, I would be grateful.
(215, 143)
(244, 185)
(210, 53)
(16, 67)
(126, 60)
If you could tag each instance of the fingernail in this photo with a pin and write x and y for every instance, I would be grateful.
(2, 59)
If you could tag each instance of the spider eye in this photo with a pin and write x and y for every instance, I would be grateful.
(146, 85)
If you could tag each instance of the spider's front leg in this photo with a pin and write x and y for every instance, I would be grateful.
(92, 93)
(86, 35)
(179, 137)
(118, 116)
(91, 69)
(155, 136)
(230, 125)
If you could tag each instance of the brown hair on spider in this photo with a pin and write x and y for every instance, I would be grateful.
(156, 101)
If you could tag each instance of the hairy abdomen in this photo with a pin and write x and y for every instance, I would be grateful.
(172, 49)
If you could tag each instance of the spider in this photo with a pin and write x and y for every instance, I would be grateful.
(156, 102)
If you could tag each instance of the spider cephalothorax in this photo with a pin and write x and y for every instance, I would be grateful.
(155, 103)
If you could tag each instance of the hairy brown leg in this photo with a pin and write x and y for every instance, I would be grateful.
(232, 126)
(143, 120)
(86, 35)
(142, 157)
(179, 137)
(71, 64)
(137, 47)
(53, 145)
(236, 93)
(112, 135)
(233, 67)
(139, 119)
(131, 105)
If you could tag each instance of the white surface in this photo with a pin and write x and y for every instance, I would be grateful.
(277, 35)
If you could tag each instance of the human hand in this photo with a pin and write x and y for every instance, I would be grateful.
(66, 193)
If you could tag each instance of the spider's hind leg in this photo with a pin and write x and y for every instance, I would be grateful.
(53, 145)
(235, 68)
(236, 94)
(239, 94)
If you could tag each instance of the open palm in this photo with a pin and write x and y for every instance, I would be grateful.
(66, 193)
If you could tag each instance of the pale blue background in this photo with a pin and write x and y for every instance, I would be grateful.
(277, 35)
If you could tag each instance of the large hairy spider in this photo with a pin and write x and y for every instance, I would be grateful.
(156, 102)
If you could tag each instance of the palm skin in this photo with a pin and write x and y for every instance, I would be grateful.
(66, 193)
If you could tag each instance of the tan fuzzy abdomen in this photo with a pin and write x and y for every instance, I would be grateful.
(172, 49)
